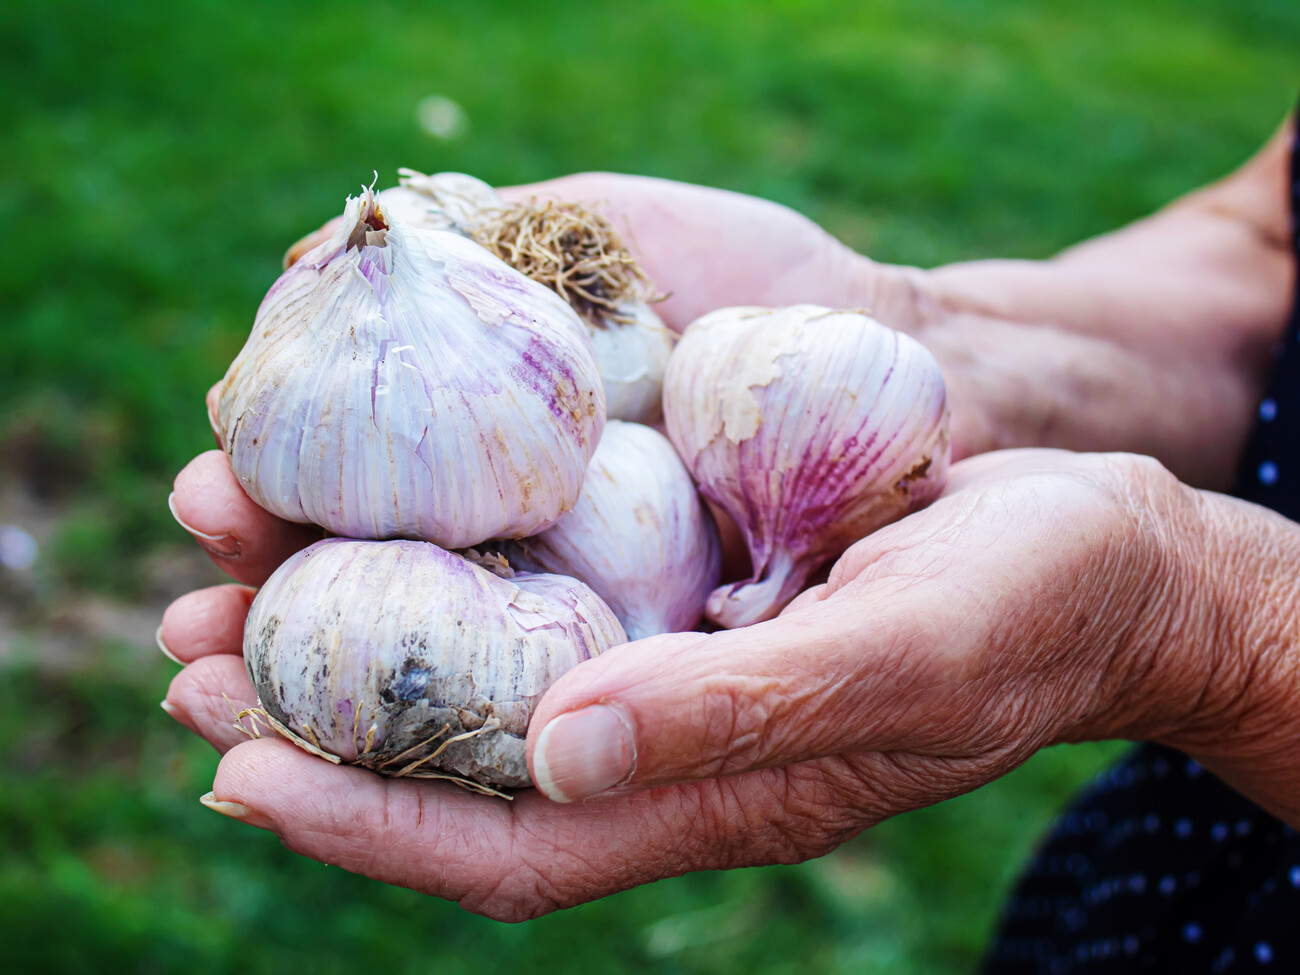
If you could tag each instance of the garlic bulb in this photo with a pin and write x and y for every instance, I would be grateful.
(575, 251)
(402, 382)
(811, 428)
(407, 659)
(443, 201)
(639, 535)
(631, 345)
(632, 357)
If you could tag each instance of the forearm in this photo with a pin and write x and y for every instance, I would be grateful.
(1245, 723)
(1209, 660)
(1153, 339)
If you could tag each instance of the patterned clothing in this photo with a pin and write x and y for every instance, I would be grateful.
(1160, 867)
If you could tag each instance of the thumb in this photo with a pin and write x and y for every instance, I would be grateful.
(678, 707)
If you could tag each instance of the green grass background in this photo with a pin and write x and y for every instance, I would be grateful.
(155, 161)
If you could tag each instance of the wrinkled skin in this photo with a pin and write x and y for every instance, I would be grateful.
(1046, 597)
(910, 685)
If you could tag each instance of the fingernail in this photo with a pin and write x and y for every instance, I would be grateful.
(583, 753)
(176, 714)
(235, 810)
(163, 647)
(222, 546)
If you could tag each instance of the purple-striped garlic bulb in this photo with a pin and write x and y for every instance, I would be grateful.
(640, 535)
(811, 428)
(409, 660)
(401, 382)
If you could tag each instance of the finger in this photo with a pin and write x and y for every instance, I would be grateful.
(205, 622)
(517, 860)
(207, 696)
(300, 248)
(213, 403)
(810, 596)
(835, 674)
(245, 541)
(989, 468)
(928, 642)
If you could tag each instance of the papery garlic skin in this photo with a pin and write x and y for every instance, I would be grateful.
(443, 201)
(401, 382)
(631, 347)
(811, 428)
(632, 357)
(640, 535)
(368, 650)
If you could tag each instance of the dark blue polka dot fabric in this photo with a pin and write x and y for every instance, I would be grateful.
(1159, 867)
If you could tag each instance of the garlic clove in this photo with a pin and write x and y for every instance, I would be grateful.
(811, 428)
(401, 382)
(640, 535)
(408, 660)
(632, 356)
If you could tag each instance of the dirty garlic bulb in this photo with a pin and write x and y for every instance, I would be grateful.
(401, 382)
(409, 660)
(640, 535)
(811, 428)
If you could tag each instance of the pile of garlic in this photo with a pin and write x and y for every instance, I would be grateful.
(467, 435)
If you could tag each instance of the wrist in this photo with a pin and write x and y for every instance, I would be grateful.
(1245, 723)
(1215, 669)
(1145, 651)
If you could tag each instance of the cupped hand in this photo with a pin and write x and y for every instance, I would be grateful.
(1155, 339)
(709, 248)
(1045, 597)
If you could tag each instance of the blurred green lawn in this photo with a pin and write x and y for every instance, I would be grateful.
(157, 159)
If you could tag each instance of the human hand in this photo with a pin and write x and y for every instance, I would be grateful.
(1045, 597)
(708, 248)
(1154, 339)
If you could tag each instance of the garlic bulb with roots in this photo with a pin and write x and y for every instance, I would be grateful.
(443, 201)
(409, 660)
(632, 353)
(811, 428)
(578, 253)
(640, 535)
(569, 248)
(402, 382)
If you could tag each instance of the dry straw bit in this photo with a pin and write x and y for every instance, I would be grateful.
(256, 716)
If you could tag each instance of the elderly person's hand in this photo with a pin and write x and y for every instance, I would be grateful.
(1045, 597)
